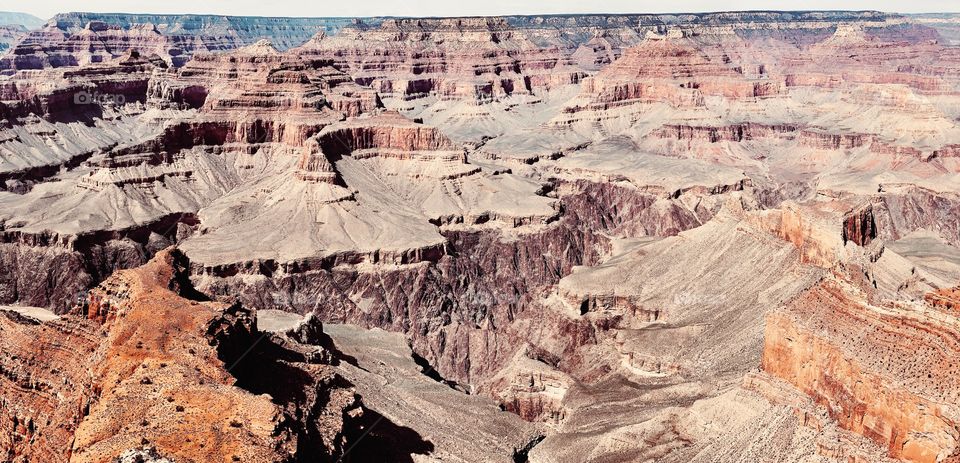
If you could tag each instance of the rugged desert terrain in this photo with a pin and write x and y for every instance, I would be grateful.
(722, 237)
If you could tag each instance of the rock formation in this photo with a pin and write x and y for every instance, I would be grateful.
(137, 364)
(72, 39)
(885, 373)
(718, 237)
(456, 59)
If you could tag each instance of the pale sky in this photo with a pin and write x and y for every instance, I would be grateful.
(47, 8)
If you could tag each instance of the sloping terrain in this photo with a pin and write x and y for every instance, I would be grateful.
(709, 237)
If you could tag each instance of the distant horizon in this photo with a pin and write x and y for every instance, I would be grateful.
(595, 13)
(46, 9)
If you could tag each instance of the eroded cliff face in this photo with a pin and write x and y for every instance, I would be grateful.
(582, 230)
(885, 373)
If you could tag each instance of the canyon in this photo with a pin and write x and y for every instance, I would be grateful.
(715, 237)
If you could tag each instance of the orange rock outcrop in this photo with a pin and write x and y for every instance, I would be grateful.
(887, 373)
(139, 365)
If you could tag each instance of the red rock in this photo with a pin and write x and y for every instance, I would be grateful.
(139, 364)
(885, 373)
(479, 59)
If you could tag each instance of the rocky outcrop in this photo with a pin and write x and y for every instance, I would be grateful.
(144, 366)
(536, 396)
(947, 299)
(905, 208)
(884, 373)
(859, 226)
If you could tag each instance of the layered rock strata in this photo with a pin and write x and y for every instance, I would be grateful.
(74, 39)
(591, 221)
(886, 373)
(477, 59)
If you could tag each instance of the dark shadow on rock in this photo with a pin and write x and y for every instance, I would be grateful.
(375, 439)
(86, 114)
(522, 455)
(429, 371)
(181, 283)
(269, 368)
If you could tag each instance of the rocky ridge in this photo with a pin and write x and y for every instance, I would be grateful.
(138, 365)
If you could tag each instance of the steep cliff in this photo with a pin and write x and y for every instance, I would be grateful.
(887, 373)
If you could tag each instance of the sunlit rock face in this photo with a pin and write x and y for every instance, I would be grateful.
(139, 367)
(899, 395)
(75, 39)
(720, 237)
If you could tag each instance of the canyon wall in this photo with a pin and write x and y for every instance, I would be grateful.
(885, 373)
(72, 39)
(691, 237)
